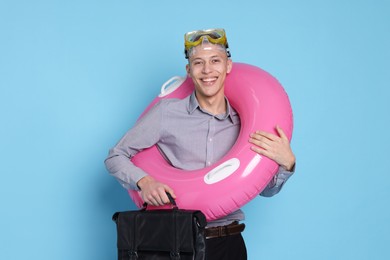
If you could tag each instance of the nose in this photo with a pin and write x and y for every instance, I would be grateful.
(206, 68)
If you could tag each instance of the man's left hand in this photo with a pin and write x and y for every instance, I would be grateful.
(275, 147)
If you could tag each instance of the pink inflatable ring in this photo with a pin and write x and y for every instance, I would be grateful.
(240, 175)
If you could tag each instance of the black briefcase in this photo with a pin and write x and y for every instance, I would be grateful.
(161, 234)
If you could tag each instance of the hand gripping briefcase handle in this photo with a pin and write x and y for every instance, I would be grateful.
(161, 234)
(171, 200)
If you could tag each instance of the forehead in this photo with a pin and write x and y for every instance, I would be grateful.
(207, 50)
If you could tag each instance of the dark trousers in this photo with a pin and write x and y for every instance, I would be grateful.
(226, 248)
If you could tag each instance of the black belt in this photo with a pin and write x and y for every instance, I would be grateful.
(223, 231)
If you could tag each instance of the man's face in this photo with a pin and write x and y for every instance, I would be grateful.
(208, 65)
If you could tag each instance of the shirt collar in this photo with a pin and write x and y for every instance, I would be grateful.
(193, 105)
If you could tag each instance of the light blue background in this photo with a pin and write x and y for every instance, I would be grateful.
(75, 75)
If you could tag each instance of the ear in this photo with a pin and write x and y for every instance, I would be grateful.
(188, 70)
(229, 65)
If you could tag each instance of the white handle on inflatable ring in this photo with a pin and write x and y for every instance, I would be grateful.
(222, 171)
(171, 85)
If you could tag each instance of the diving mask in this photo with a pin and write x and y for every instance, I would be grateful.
(214, 36)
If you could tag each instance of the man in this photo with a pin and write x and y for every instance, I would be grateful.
(182, 130)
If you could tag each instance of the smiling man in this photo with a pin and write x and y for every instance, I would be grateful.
(196, 132)
(207, 66)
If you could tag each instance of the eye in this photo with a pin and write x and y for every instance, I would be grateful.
(197, 62)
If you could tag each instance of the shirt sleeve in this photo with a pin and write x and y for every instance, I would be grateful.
(144, 134)
(276, 184)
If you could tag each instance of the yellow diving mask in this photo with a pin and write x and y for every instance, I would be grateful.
(214, 36)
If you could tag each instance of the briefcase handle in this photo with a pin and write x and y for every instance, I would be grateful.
(171, 200)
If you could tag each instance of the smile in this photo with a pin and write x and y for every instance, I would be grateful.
(208, 80)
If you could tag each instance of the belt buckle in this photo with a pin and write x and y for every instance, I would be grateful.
(220, 231)
(223, 231)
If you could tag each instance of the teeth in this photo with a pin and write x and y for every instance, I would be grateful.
(209, 79)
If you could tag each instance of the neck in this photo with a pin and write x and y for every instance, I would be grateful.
(215, 105)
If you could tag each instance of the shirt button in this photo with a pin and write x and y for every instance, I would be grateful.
(208, 163)
(210, 139)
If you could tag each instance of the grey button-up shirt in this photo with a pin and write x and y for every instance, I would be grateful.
(188, 137)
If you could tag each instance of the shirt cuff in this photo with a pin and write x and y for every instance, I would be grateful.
(129, 180)
(277, 182)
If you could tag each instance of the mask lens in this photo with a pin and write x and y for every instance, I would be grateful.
(214, 35)
(196, 35)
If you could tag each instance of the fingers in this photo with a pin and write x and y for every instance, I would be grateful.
(263, 139)
(170, 191)
(281, 132)
(260, 135)
(156, 197)
(275, 147)
(152, 198)
(155, 193)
